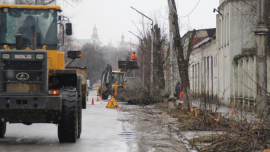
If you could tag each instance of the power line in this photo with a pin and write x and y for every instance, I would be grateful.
(186, 15)
(192, 10)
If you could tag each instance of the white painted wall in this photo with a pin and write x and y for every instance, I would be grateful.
(234, 35)
(202, 76)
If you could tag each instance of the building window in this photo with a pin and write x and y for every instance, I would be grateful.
(215, 61)
(224, 33)
(220, 33)
(228, 24)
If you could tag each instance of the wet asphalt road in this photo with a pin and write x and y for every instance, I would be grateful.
(101, 132)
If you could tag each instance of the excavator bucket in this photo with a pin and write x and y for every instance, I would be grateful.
(125, 65)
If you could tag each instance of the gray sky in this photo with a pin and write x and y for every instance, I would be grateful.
(114, 17)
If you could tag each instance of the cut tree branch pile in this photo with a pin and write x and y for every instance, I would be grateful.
(230, 132)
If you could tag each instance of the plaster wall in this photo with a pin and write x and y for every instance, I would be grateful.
(203, 70)
(234, 36)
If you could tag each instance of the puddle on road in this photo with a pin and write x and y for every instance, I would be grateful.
(127, 135)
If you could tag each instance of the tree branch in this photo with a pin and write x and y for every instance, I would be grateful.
(249, 4)
(50, 2)
(190, 45)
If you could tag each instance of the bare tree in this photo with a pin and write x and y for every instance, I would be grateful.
(159, 39)
(144, 52)
(113, 54)
(183, 62)
(92, 58)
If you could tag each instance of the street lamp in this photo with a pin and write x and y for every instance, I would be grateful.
(152, 47)
(142, 51)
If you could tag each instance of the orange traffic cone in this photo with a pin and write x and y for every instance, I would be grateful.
(92, 101)
(98, 98)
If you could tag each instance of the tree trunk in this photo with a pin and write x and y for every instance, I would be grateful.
(181, 60)
(158, 66)
(185, 84)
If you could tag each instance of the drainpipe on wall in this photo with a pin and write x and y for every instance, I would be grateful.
(261, 32)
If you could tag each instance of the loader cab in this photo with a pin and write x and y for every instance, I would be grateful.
(20, 21)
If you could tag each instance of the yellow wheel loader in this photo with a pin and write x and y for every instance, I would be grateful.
(35, 86)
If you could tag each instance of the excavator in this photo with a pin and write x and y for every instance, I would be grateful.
(112, 83)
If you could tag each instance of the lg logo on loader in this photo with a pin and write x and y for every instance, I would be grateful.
(22, 76)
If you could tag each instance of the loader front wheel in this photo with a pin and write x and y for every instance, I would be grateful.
(68, 125)
(3, 126)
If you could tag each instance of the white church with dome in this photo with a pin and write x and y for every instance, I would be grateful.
(94, 38)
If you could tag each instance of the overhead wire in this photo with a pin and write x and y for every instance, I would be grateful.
(188, 13)
(192, 10)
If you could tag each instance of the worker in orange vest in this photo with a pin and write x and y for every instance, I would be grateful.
(134, 56)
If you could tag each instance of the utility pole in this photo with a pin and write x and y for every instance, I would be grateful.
(171, 97)
(152, 51)
(261, 32)
(152, 62)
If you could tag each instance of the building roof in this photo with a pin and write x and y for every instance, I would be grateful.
(202, 36)
(196, 40)
(202, 42)
(210, 32)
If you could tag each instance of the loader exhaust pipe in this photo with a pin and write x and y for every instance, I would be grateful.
(33, 37)
(18, 41)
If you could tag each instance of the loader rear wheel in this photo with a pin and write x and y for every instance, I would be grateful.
(68, 125)
(3, 127)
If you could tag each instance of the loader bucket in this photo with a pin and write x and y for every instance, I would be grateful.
(128, 65)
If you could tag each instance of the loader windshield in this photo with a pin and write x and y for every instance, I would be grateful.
(19, 21)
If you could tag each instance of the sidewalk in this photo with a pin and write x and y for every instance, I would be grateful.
(225, 111)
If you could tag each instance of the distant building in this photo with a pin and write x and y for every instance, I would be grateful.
(127, 45)
(94, 38)
(201, 35)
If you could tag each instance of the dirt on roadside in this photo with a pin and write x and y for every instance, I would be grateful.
(152, 129)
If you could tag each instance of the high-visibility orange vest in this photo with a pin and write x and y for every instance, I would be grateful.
(134, 56)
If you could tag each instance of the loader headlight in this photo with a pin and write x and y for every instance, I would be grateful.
(5, 56)
(40, 56)
(5, 10)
